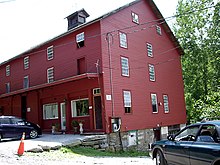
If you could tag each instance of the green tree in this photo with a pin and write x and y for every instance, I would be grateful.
(197, 28)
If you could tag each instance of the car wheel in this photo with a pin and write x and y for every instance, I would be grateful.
(160, 160)
(33, 134)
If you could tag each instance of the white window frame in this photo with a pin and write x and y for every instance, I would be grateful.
(149, 50)
(154, 102)
(123, 40)
(151, 72)
(8, 88)
(127, 99)
(26, 62)
(26, 82)
(124, 66)
(158, 29)
(51, 113)
(74, 110)
(50, 74)
(166, 103)
(50, 53)
(8, 70)
(135, 17)
(80, 37)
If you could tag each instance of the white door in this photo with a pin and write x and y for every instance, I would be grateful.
(63, 116)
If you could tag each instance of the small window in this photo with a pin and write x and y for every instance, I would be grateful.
(50, 111)
(50, 53)
(96, 91)
(158, 29)
(135, 17)
(165, 103)
(151, 72)
(26, 82)
(7, 86)
(123, 40)
(80, 40)
(124, 66)
(26, 62)
(80, 107)
(7, 70)
(154, 103)
(149, 50)
(127, 101)
(50, 75)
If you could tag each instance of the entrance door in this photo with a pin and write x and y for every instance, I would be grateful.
(23, 107)
(63, 116)
(98, 112)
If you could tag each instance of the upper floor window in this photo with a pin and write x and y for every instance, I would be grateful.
(127, 101)
(7, 70)
(50, 75)
(80, 40)
(154, 103)
(50, 111)
(26, 62)
(50, 53)
(165, 103)
(149, 50)
(135, 18)
(123, 40)
(8, 88)
(26, 82)
(151, 72)
(158, 29)
(124, 66)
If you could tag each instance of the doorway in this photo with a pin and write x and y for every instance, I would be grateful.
(98, 112)
(63, 116)
(23, 107)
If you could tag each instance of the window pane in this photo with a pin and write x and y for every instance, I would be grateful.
(151, 72)
(80, 37)
(135, 18)
(125, 66)
(50, 53)
(26, 62)
(165, 102)
(50, 75)
(123, 40)
(80, 107)
(154, 103)
(149, 50)
(50, 111)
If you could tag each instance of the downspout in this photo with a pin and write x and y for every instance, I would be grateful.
(108, 38)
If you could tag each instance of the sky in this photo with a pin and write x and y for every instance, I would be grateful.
(27, 23)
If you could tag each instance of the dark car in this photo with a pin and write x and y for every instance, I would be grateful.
(13, 127)
(196, 144)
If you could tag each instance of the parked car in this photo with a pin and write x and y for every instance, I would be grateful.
(196, 144)
(13, 127)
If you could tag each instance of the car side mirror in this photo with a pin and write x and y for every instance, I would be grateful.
(171, 137)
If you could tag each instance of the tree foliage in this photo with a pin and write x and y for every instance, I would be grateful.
(197, 29)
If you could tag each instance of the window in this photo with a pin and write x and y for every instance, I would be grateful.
(149, 50)
(127, 101)
(96, 91)
(26, 62)
(26, 82)
(158, 29)
(151, 72)
(7, 70)
(165, 103)
(50, 75)
(50, 53)
(80, 40)
(124, 66)
(7, 86)
(81, 66)
(50, 111)
(80, 107)
(135, 18)
(123, 40)
(187, 134)
(154, 103)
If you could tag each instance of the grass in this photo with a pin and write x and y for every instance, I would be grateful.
(97, 153)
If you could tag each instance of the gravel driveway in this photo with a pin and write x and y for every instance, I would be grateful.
(8, 154)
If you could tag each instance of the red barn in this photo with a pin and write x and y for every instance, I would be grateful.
(119, 71)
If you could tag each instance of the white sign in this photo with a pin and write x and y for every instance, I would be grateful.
(108, 97)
